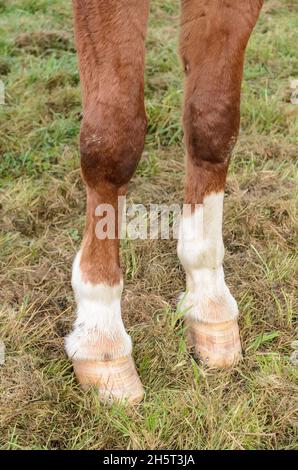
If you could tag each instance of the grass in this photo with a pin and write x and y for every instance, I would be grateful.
(254, 405)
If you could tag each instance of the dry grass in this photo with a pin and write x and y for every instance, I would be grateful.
(42, 217)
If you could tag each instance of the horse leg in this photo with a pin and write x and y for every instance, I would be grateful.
(213, 39)
(110, 45)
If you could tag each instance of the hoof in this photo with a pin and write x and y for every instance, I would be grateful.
(217, 345)
(115, 381)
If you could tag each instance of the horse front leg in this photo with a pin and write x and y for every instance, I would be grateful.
(110, 44)
(212, 46)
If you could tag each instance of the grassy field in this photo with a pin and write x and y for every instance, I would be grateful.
(253, 406)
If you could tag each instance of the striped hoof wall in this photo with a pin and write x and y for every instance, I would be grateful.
(217, 345)
(116, 381)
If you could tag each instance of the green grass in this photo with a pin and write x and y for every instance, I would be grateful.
(254, 405)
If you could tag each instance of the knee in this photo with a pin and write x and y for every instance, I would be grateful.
(211, 128)
(111, 144)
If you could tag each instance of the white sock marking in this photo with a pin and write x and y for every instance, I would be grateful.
(201, 252)
(98, 329)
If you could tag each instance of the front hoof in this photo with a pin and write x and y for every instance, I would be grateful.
(217, 345)
(115, 381)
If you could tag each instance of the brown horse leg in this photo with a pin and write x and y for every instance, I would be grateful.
(110, 44)
(212, 46)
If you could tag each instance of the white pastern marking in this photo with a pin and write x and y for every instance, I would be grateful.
(201, 252)
(98, 329)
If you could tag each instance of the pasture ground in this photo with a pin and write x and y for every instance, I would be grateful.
(254, 405)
